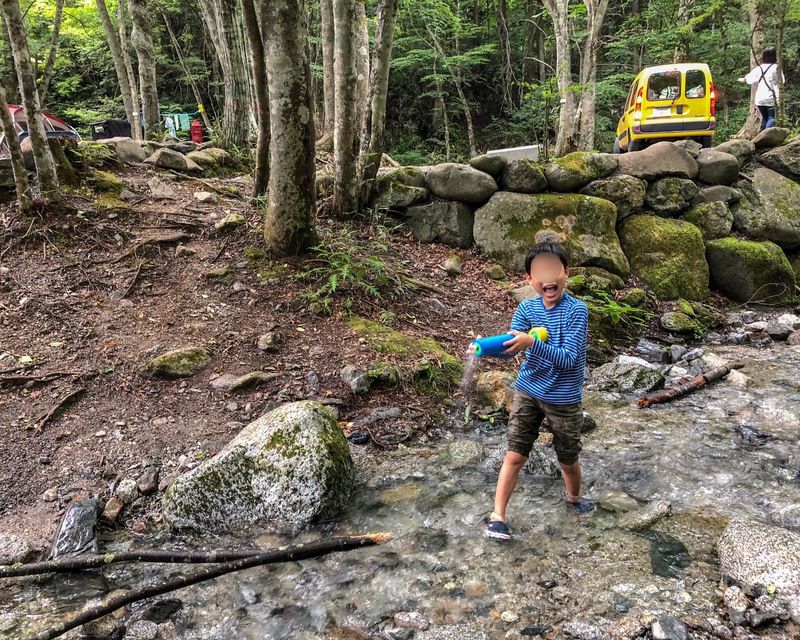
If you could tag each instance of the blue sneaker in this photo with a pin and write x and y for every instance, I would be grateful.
(497, 530)
(582, 507)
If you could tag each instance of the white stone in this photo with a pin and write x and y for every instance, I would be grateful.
(127, 490)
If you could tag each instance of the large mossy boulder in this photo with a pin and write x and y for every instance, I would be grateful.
(577, 169)
(658, 161)
(509, 224)
(769, 209)
(667, 254)
(750, 271)
(286, 469)
(762, 558)
(446, 222)
(626, 192)
(714, 219)
(460, 182)
(717, 167)
(785, 160)
(523, 176)
(669, 196)
(169, 159)
(128, 151)
(400, 189)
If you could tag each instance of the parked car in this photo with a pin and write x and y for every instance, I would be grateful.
(669, 102)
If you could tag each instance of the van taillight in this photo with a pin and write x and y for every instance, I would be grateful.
(713, 105)
(639, 99)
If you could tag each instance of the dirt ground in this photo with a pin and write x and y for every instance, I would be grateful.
(84, 304)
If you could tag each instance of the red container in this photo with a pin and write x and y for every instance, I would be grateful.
(196, 130)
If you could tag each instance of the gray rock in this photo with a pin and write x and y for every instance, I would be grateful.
(399, 189)
(618, 502)
(678, 322)
(128, 151)
(785, 160)
(778, 330)
(269, 341)
(749, 316)
(692, 147)
(626, 374)
(717, 193)
(127, 491)
(452, 632)
(658, 161)
(589, 423)
(717, 167)
(750, 271)
(526, 292)
(170, 159)
(581, 630)
(755, 555)
(178, 363)
(577, 169)
(742, 150)
(787, 517)
(288, 468)
(645, 516)
(669, 196)
(492, 164)
(735, 599)
(650, 351)
(510, 223)
(204, 196)
(772, 137)
(448, 223)
(230, 382)
(676, 352)
(669, 628)
(76, 533)
(202, 158)
(453, 266)
(14, 549)
(460, 182)
(789, 319)
(693, 354)
(626, 192)
(357, 379)
(147, 482)
(794, 339)
(160, 189)
(523, 176)
(539, 464)
(142, 630)
(768, 209)
(714, 219)
(414, 619)
(464, 453)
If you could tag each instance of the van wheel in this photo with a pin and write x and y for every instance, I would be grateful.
(635, 145)
(705, 142)
(617, 149)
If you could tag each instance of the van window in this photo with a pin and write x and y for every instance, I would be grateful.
(664, 86)
(632, 96)
(695, 84)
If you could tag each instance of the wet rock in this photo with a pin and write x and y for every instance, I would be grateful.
(618, 502)
(767, 609)
(669, 196)
(626, 374)
(14, 549)
(753, 554)
(581, 630)
(650, 351)
(112, 510)
(230, 382)
(269, 341)
(447, 223)
(411, 620)
(160, 189)
(626, 192)
(105, 628)
(495, 389)
(645, 516)
(170, 159)
(178, 363)
(523, 176)
(357, 380)
(142, 630)
(676, 352)
(668, 555)
(492, 164)
(461, 183)
(76, 530)
(589, 423)
(453, 266)
(579, 168)
(657, 161)
(669, 628)
(540, 464)
(787, 517)
(405, 492)
(287, 468)
(464, 453)
(778, 330)
(452, 632)
(772, 137)
(127, 491)
(230, 222)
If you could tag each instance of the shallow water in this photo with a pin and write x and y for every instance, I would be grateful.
(560, 567)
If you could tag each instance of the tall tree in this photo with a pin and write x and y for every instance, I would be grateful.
(289, 226)
(225, 23)
(129, 98)
(47, 74)
(258, 59)
(136, 122)
(21, 183)
(595, 14)
(374, 123)
(328, 85)
(43, 158)
(345, 155)
(362, 60)
(142, 40)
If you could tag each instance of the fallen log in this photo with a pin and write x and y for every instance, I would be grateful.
(691, 385)
(275, 556)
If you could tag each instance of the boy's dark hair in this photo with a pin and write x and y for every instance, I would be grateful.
(546, 247)
(770, 56)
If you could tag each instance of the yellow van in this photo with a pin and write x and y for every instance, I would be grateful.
(670, 102)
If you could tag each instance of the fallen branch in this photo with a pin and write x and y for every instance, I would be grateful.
(23, 367)
(282, 554)
(175, 237)
(693, 384)
(224, 191)
(134, 279)
(70, 396)
(47, 377)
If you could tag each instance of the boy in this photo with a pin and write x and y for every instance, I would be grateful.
(550, 381)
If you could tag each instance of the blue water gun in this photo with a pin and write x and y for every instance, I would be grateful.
(493, 345)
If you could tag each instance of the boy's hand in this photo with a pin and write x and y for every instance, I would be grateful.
(520, 342)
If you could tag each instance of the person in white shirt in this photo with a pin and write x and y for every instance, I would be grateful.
(768, 89)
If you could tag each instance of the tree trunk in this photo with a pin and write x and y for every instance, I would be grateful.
(142, 40)
(256, 42)
(362, 62)
(345, 154)
(595, 13)
(752, 125)
(566, 138)
(328, 90)
(372, 131)
(44, 83)
(506, 66)
(681, 53)
(43, 158)
(21, 183)
(136, 122)
(289, 227)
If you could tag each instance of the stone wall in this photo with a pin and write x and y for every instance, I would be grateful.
(685, 220)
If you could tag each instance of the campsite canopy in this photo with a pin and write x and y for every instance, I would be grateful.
(52, 125)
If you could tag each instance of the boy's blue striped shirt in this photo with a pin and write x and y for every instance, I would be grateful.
(553, 371)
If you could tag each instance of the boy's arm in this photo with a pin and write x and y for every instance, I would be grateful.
(564, 357)
(520, 321)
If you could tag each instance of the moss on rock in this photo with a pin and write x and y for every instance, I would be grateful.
(714, 219)
(400, 189)
(106, 182)
(634, 297)
(178, 363)
(577, 169)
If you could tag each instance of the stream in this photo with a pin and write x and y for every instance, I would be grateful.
(720, 452)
